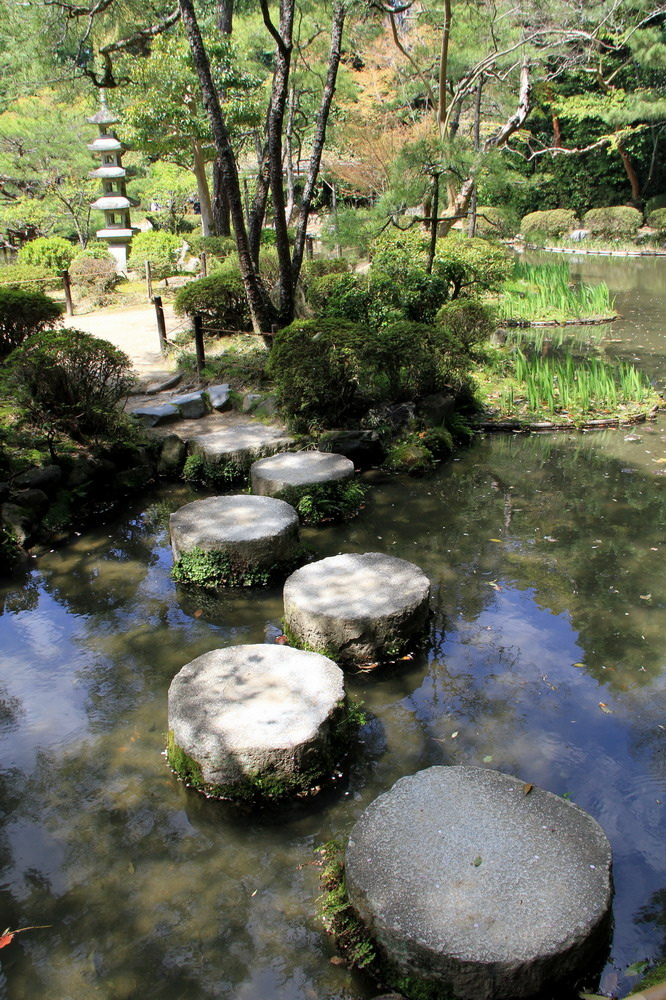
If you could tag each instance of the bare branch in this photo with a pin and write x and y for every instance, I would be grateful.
(140, 39)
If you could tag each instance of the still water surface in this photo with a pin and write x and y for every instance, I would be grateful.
(547, 660)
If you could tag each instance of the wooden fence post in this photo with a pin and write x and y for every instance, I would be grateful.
(149, 282)
(204, 264)
(161, 325)
(66, 284)
(199, 343)
(309, 247)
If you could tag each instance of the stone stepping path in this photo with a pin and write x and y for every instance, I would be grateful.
(273, 475)
(258, 532)
(479, 884)
(357, 607)
(255, 718)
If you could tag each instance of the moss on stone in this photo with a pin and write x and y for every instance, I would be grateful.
(318, 502)
(655, 977)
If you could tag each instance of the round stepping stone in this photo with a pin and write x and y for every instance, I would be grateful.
(255, 532)
(255, 720)
(356, 607)
(477, 884)
(297, 469)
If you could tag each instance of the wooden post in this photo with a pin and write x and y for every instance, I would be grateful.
(309, 247)
(199, 343)
(149, 282)
(66, 284)
(161, 325)
(204, 264)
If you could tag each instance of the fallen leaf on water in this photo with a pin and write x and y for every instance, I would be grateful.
(282, 640)
(453, 735)
(253, 893)
(578, 664)
(527, 788)
(501, 542)
(487, 760)
(645, 597)
(6, 939)
(592, 996)
(336, 960)
(409, 656)
(198, 613)
(604, 708)
(8, 935)
(477, 861)
(636, 968)
(549, 538)
(494, 584)
(659, 461)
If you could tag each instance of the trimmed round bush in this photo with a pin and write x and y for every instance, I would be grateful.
(70, 377)
(652, 204)
(215, 246)
(160, 248)
(22, 314)
(29, 277)
(492, 221)
(657, 219)
(95, 250)
(466, 323)
(219, 298)
(470, 266)
(553, 222)
(51, 252)
(316, 268)
(93, 276)
(620, 220)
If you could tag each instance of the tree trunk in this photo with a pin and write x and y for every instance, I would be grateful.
(221, 218)
(258, 301)
(434, 201)
(632, 175)
(443, 68)
(225, 16)
(289, 154)
(337, 28)
(203, 191)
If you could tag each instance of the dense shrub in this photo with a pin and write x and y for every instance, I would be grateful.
(319, 288)
(551, 223)
(29, 277)
(396, 251)
(219, 298)
(622, 220)
(402, 362)
(70, 378)
(52, 252)
(95, 250)
(470, 266)
(492, 221)
(315, 367)
(23, 313)
(214, 246)
(378, 299)
(320, 267)
(466, 324)
(161, 249)
(656, 219)
(652, 204)
(93, 276)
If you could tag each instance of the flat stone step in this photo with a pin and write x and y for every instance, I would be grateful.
(478, 884)
(256, 719)
(257, 532)
(271, 476)
(357, 607)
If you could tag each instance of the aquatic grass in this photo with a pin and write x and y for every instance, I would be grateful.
(545, 292)
(559, 384)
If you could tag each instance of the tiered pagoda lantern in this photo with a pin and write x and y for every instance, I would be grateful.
(113, 202)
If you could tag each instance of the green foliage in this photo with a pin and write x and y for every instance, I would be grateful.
(219, 569)
(320, 266)
(552, 222)
(655, 977)
(656, 219)
(23, 313)
(470, 266)
(396, 251)
(216, 247)
(340, 920)
(213, 474)
(95, 277)
(95, 250)
(50, 252)
(466, 323)
(335, 501)
(545, 292)
(219, 298)
(160, 248)
(493, 221)
(621, 220)
(70, 379)
(29, 277)
(410, 454)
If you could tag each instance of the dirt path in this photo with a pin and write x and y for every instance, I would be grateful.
(134, 331)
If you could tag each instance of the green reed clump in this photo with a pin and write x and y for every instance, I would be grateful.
(565, 383)
(542, 292)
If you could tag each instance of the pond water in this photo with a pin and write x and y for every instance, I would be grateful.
(547, 660)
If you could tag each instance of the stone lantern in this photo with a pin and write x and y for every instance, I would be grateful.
(113, 202)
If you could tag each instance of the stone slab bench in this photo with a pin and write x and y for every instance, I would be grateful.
(357, 607)
(255, 721)
(477, 884)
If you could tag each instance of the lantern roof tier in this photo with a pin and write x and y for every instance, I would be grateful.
(121, 235)
(114, 202)
(105, 144)
(108, 173)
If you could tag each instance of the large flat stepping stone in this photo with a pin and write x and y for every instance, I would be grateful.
(357, 607)
(473, 882)
(291, 470)
(228, 437)
(257, 532)
(256, 720)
